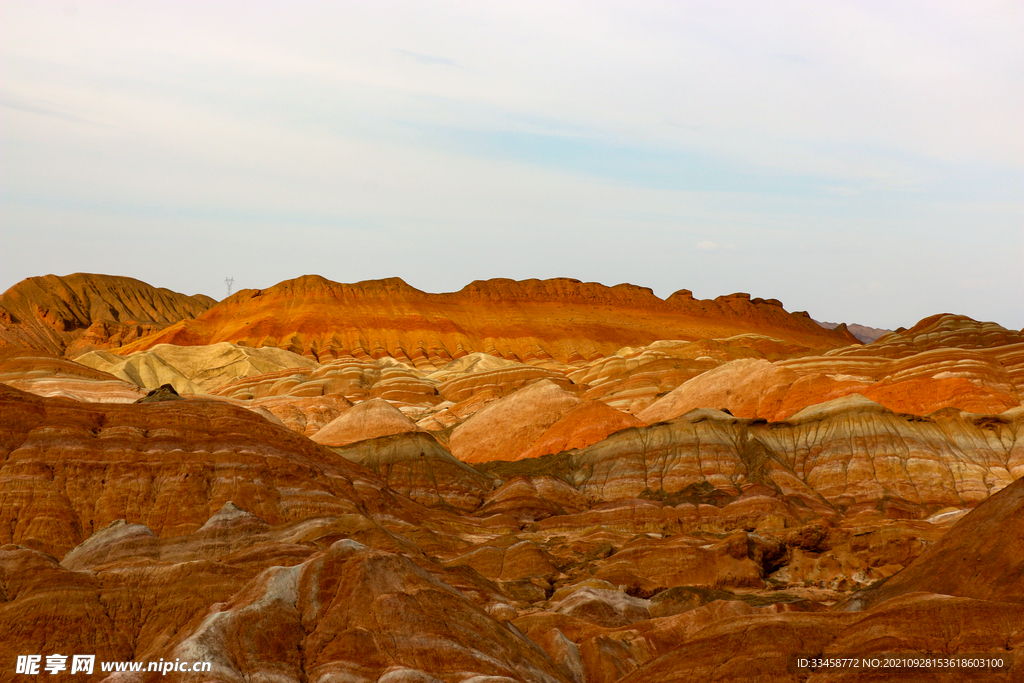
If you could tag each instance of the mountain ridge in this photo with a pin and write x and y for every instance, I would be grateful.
(559, 318)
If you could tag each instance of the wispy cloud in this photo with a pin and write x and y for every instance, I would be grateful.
(708, 245)
(428, 60)
(43, 110)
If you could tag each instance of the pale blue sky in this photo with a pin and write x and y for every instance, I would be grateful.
(863, 161)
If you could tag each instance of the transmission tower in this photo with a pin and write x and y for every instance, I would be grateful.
(229, 281)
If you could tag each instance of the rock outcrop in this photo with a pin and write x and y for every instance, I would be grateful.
(582, 426)
(353, 380)
(72, 468)
(415, 465)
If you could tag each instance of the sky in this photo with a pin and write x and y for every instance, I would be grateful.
(863, 161)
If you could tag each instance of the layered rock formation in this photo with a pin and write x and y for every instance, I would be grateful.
(582, 426)
(848, 451)
(79, 313)
(71, 468)
(942, 362)
(297, 551)
(415, 465)
(355, 380)
(193, 369)
(44, 374)
(961, 596)
(978, 558)
(533, 320)
(303, 414)
(641, 557)
(505, 502)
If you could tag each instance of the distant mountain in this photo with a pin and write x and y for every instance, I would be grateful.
(862, 332)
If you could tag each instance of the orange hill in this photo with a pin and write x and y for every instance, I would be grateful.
(560, 319)
(78, 313)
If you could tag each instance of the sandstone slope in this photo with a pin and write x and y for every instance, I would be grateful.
(505, 429)
(978, 558)
(368, 420)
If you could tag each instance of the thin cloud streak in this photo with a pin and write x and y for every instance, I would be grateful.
(429, 60)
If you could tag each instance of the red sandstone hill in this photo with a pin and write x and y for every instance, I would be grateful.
(78, 313)
(561, 319)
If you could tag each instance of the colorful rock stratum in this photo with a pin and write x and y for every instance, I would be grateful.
(540, 481)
